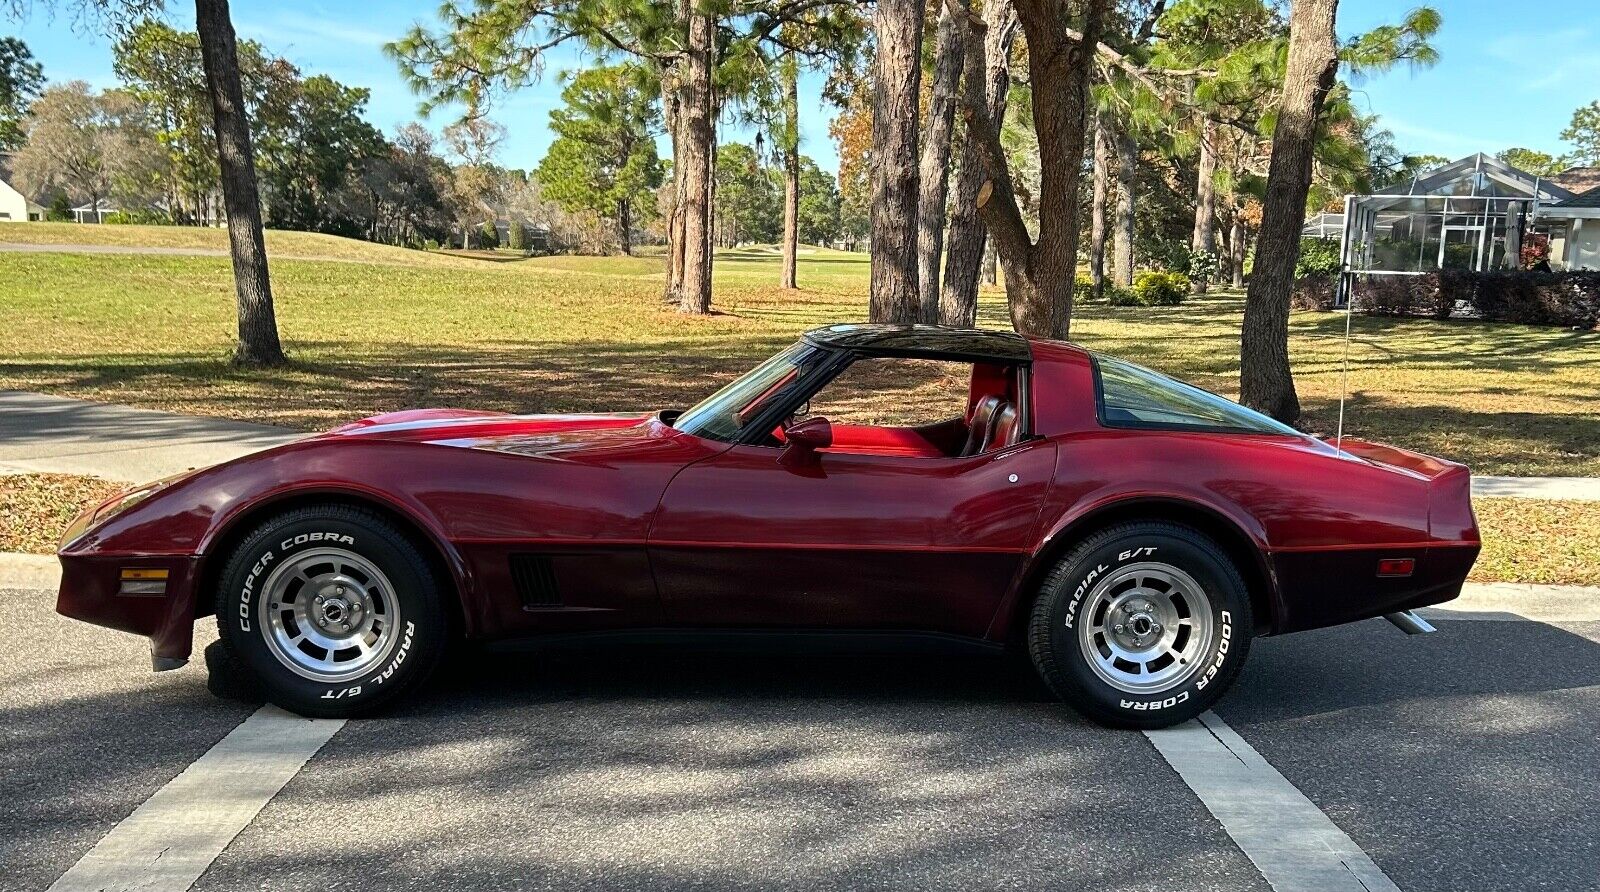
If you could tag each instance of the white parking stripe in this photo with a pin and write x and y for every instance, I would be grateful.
(174, 836)
(1296, 847)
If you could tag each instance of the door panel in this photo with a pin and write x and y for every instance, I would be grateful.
(857, 541)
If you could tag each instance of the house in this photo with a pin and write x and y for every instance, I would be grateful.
(1573, 225)
(14, 206)
(1577, 179)
(1471, 214)
(95, 212)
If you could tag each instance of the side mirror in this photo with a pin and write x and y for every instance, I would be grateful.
(804, 440)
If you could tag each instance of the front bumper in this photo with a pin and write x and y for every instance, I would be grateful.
(89, 592)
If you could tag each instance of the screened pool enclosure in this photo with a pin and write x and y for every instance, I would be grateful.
(1472, 214)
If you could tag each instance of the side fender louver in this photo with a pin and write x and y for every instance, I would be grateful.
(535, 580)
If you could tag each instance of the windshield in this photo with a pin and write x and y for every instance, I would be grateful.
(722, 415)
(1134, 396)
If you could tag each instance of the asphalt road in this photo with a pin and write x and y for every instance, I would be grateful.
(1466, 760)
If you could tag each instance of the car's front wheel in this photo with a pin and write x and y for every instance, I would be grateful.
(331, 610)
(1142, 625)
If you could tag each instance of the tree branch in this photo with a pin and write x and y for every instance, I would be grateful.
(997, 200)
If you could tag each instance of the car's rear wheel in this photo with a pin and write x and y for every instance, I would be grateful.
(332, 611)
(1142, 625)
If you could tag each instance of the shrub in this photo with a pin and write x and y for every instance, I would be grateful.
(517, 236)
(1318, 256)
(60, 209)
(140, 217)
(1404, 296)
(1535, 250)
(490, 235)
(1568, 299)
(1153, 288)
(1314, 292)
(1202, 266)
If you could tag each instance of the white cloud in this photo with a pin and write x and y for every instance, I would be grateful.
(1541, 61)
(288, 27)
(1429, 141)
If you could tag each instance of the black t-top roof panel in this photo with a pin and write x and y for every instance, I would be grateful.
(931, 341)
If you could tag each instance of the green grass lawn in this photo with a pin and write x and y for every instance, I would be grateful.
(403, 328)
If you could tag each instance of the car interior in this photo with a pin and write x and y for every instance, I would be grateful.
(985, 414)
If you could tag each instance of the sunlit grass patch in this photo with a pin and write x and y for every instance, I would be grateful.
(1538, 540)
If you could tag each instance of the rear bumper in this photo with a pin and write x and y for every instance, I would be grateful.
(1327, 587)
(89, 584)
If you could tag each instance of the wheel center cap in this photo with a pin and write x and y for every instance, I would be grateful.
(334, 610)
(1141, 624)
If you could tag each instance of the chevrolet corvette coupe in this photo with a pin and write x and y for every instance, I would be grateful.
(870, 484)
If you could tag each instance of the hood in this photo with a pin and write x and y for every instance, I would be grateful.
(543, 435)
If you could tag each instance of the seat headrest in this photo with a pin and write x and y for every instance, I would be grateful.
(1005, 429)
(983, 410)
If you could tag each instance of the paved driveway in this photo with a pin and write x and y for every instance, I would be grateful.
(40, 433)
(1462, 761)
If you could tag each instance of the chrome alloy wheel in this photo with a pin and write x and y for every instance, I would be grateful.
(1146, 627)
(329, 614)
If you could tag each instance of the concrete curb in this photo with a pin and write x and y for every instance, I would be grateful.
(40, 571)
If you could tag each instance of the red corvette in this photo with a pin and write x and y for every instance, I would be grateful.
(974, 489)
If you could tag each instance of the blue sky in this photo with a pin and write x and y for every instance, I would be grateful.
(1504, 79)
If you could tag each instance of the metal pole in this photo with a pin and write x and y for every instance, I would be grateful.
(1339, 296)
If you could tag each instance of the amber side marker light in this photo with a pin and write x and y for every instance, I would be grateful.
(1396, 566)
(143, 581)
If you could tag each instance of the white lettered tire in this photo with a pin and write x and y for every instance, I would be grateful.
(332, 611)
(1142, 625)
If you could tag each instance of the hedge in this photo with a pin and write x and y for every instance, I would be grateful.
(1565, 299)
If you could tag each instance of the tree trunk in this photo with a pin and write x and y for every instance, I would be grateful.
(1203, 241)
(625, 227)
(1237, 247)
(1122, 252)
(699, 150)
(1040, 273)
(1265, 380)
(933, 172)
(671, 101)
(791, 171)
(985, 81)
(258, 325)
(1097, 204)
(897, 80)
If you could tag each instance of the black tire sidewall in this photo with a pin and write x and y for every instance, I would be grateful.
(243, 585)
(1059, 656)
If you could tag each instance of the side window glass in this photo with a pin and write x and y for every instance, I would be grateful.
(1133, 396)
(889, 392)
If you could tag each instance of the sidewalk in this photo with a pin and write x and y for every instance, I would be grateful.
(49, 434)
(1585, 489)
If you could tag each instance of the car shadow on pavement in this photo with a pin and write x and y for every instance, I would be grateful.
(639, 768)
(632, 767)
